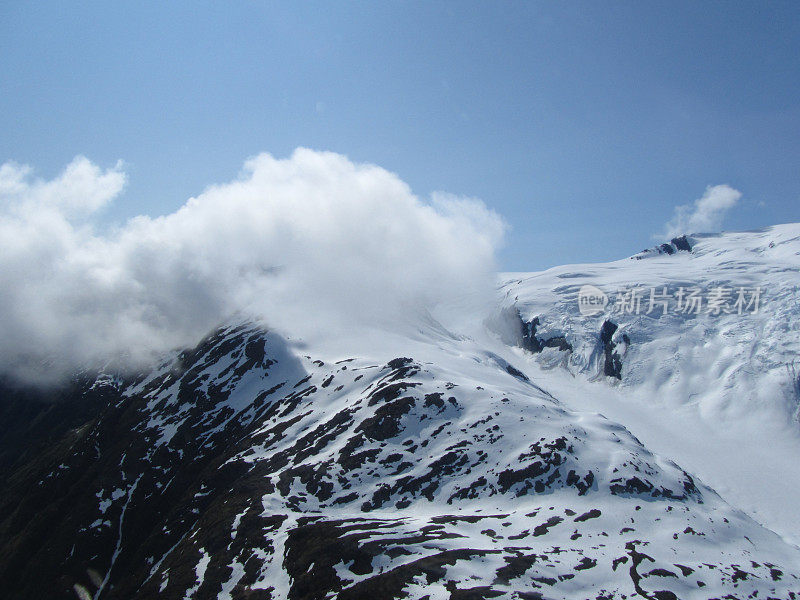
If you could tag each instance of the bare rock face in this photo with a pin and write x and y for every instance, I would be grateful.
(612, 363)
(682, 243)
(239, 469)
(675, 245)
(529, 341)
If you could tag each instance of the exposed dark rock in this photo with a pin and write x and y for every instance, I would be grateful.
(144, 483)
(682, 243)
(636, 559)
(542, 529)
(661, 573)
(528, 339)
(516, 373)
(386, 421)
(592, 514)
(558, 341)
(607, 331)
(618, 561)
(586, 563)
(515, 567)
(612, 363)
(676, 244)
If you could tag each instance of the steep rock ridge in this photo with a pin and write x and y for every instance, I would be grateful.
(676, 244)
(525, 333)
(34, 420)
(612, 363)
(242, 469)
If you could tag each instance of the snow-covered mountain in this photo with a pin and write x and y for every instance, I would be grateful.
(714, 386)
(716, 325)
(423, 464)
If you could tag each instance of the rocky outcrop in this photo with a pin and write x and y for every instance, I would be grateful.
(532, 343)
(612, 362)
(675, 245)
(682, 243)
(241, 470)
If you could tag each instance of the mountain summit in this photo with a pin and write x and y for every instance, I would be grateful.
(556, 454)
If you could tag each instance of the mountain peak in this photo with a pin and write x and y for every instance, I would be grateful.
(677, 244)
(251, 466)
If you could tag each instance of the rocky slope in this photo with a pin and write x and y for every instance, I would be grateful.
(429, 465)
(685, 357)
(244, 469)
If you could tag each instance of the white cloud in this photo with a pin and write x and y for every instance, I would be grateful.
(706, 214)
(313, 242)
(81, 189)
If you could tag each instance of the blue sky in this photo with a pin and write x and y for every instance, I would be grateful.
(583, 124)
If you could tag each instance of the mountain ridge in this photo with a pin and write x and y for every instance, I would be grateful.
(252, 467)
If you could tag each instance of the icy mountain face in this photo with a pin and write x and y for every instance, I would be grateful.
(694, 349)
(712, 320)
(246, 468)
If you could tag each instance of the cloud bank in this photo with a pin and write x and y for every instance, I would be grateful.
(313, 242)
(706, 214)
